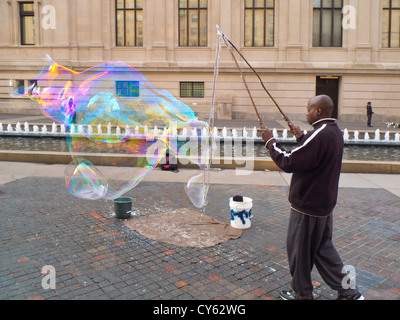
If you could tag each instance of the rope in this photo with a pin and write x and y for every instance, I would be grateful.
(229, 44)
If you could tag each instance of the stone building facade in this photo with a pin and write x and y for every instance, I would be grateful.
(349, 49)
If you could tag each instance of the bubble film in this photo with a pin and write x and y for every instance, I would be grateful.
(113, 112)
(85, 180)
(197, 189)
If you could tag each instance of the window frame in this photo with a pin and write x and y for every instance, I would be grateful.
(389, 40)
(265, 8)
(333, 8)
(187, 30)
(19, 85)
(131, 86)
(22, 15)
(192, 90)
(124, 9)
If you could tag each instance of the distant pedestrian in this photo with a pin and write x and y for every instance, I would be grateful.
(369, 114)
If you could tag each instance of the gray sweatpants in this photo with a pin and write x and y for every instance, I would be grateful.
(309, 242)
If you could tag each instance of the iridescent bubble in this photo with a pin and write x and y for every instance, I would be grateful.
(82, 179)
(113, 112)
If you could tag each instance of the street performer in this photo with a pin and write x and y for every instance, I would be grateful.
(316, 165)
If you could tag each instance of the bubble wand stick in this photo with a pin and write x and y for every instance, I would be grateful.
(229, 44)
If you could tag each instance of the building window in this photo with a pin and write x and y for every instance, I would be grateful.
(192, 89)
(391, 24)
(127, 88)
(193, 23)
(27, 23)
(327, 23)
(259, 23)
(129, 24)
(19, 86)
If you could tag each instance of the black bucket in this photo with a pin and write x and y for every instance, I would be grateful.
(123, 207)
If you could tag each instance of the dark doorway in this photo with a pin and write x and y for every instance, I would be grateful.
(329, 85)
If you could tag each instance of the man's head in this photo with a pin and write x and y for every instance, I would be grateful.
(318, 108)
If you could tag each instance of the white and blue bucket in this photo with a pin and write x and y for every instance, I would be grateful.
(241, 213)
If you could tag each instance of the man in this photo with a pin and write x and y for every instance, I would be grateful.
(316, 165)
(369, 114)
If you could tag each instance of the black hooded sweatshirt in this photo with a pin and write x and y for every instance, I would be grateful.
(316, 164)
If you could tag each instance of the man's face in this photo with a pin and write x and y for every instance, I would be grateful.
(312, 112)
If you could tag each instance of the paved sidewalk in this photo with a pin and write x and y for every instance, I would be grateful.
(96, 256)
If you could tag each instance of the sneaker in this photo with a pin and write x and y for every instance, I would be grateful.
(358, 296)
(290, 295)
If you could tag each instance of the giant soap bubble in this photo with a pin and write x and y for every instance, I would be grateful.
(112, 110)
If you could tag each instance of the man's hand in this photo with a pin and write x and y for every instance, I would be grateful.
(295, 130)
(266, 134)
